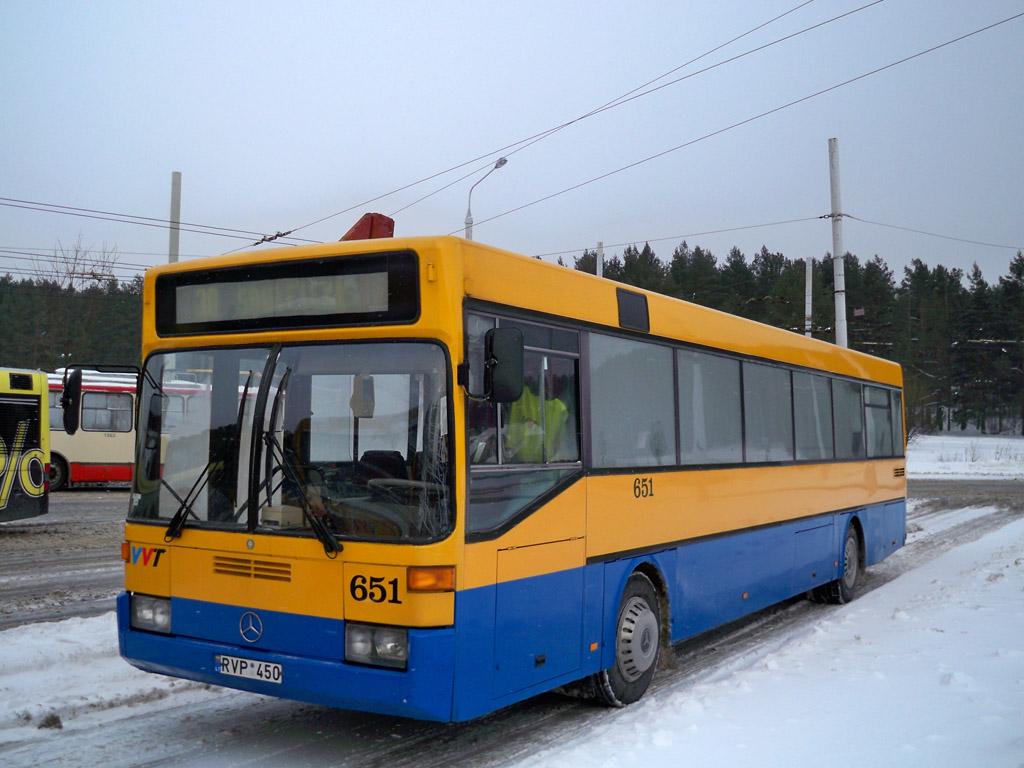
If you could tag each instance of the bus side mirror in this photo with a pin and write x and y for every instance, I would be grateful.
(71, 399)
(503, 365)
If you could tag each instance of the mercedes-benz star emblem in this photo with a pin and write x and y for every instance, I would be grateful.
(251, 627)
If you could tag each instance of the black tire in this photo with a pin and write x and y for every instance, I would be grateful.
(637, 644)
(844, 589)
(58, 473)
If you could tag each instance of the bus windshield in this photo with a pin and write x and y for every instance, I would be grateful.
(351, 439)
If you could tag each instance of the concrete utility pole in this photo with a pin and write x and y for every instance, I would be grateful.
(599, 266)
(838, 263)
(172, 250)
(808, 304)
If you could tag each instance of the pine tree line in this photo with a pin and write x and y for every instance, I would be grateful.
(959, 339)
(48, 325)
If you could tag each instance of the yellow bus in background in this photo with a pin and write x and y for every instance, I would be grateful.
(24, 444)
(431, 478)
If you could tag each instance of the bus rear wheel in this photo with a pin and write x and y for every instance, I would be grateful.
(637, 643)
(58, 473)
(843, 589)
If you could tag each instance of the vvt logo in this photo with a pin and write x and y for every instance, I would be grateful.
(146, 555)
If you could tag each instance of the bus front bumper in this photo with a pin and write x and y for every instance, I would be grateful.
(424, 691)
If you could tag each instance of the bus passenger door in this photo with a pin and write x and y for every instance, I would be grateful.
(539, 599)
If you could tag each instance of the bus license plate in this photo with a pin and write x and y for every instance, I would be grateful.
(266, 671)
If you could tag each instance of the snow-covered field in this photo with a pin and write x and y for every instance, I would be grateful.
(952, 457)
(926, 670)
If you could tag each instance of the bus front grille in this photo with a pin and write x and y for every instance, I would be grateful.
(252, 569)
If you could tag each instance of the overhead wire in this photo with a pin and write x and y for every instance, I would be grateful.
(683, 237)
(518, 146)
(513, 148)
(749, 120)
(633, 94)
(125, 218)
(933, 234)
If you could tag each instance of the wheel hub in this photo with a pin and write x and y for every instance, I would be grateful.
(636, 646)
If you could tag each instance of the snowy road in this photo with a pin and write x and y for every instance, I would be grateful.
(66, 698)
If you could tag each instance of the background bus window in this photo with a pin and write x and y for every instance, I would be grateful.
(56, 412)
(848, 415)
(812, 399)
(632, 403)
(107, 412)
(711, 430)
(173, 407)
(767, 413)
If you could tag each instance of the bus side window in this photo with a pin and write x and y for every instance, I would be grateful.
(56, 412)
(540, 427)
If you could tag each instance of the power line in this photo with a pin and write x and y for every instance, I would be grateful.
(933, 234)
(55, 258)
(126, 218)
(747, 120)
(683, 237)
(633, 94)
(517, 146)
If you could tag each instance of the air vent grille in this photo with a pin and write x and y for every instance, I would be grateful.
(899, 472)
(252, 569)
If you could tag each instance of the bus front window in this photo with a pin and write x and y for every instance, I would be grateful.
(354, 434)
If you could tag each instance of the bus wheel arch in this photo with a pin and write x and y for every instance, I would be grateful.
(60, 473)
(852, 561)
(639, 636)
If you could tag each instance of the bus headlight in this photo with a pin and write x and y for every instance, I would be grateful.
(379, 646)
(151, 613)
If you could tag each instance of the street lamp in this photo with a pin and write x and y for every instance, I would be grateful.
(469, 204)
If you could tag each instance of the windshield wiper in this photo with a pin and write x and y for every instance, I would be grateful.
(331, 545)
(185, 509)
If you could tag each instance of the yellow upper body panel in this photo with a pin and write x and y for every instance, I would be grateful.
(452, 268)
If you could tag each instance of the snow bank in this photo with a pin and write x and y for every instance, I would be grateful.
(952, 457)
(927, 671)
(57, 673)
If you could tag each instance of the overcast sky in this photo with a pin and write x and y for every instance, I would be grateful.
(281, 114)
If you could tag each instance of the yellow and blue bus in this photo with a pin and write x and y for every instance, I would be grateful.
(24, 444)
(430, 478)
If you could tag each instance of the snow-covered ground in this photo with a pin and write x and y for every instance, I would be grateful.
(926, 670)
(954, 457)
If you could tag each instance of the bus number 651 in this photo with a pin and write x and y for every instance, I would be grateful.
(375, 589)
(643, 487)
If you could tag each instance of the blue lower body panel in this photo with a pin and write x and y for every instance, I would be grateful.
(518, 638)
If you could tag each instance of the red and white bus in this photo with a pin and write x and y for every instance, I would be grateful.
(103, 449)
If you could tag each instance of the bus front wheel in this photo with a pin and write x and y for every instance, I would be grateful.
(637, 642)
(58, 473)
